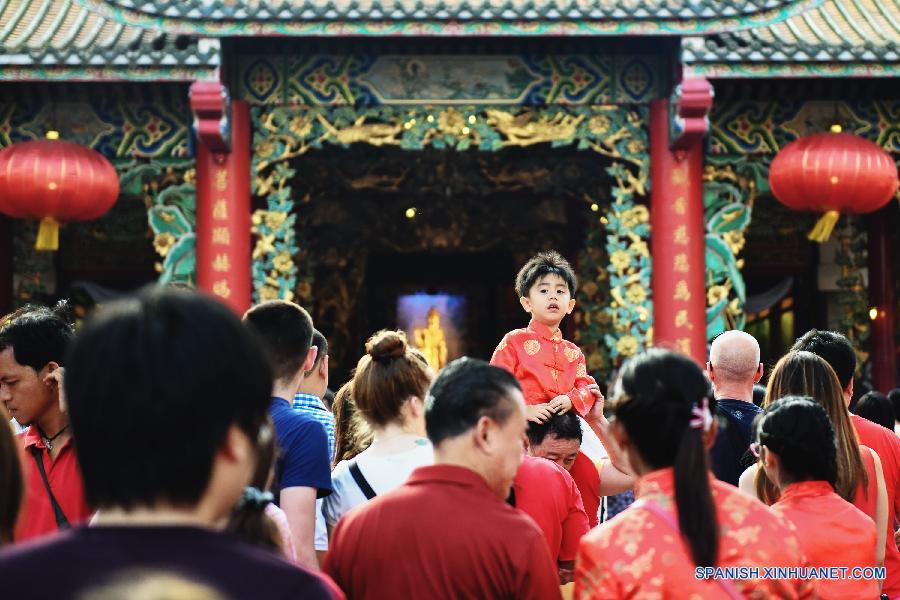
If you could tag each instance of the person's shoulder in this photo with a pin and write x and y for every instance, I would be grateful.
(570, 345)
(296, 422)
(544, 469)
(28, 559)
(516, 334)
(874, 435)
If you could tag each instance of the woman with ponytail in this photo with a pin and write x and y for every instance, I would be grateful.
(796, 448)
(685, 522)
(389, 389)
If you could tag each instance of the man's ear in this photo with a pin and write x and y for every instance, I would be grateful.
(759, 373)
(526, 303)
(310, 358)
(323, 367)
(709, 371)
(236, 446)
(483, 435)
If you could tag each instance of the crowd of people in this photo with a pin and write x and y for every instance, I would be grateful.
(169, 449)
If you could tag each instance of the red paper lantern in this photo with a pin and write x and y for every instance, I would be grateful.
(55, 181)
(832, 173)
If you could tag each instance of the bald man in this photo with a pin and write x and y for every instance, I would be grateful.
(733, 368)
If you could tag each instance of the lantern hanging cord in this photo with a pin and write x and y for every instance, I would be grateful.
(821, 231)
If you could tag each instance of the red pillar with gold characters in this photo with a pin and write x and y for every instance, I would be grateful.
(223, 194)
(882, 278)
(677, 245)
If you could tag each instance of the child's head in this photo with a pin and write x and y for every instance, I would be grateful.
(545, 286)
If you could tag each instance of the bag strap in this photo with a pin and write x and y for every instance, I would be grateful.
(61, 521)
(361, 481)
(726, 584)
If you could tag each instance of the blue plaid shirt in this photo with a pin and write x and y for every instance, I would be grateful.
(312, 406)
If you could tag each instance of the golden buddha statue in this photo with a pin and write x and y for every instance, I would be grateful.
(431, 341)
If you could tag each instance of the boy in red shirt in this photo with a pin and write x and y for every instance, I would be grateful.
(551, 370)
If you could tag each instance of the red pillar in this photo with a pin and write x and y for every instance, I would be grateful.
(677, 238)
(882, 278)
(223, 208)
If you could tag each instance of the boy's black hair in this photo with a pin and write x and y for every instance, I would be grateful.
(545, 263)
(466, 390)
(564, 427)
(37, 335)
(286, 331)
(834, 347)
(153, 385)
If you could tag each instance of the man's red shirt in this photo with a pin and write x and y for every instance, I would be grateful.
(442, 534)
(548, 494)
(546, 366)
(63, 474)
(587, 478)
(887, 446)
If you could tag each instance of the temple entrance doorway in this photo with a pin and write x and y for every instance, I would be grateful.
(430, 241)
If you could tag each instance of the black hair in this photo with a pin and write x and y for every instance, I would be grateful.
(321, 344)
(286, 331)
(466, 390)
(875, 407)
(834, 347)
(565, 427)
(153, 385)
(248, 520)
(659, 391)
(894, 397)
(12, 484)
(541, 264)
(759, 394)
(37, 335)
(798, 430)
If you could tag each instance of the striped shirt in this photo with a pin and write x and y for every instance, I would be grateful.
(313, 407)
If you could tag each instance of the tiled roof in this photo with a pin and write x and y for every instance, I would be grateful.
(60, 39)
(839, 37)
(448, 17)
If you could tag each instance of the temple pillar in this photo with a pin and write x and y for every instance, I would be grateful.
(223, 194)
(677, 245)
(882, 277)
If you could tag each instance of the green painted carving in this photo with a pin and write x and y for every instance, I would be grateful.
(610, 329)
(170, 194)
(362, 79)
(729, 190)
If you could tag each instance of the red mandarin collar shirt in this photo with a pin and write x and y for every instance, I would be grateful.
(546, 366)
(832, 533)
(442, 534)
(64, 474)
(638, 554)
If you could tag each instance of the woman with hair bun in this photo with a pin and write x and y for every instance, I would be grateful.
(685, 523)
(389, 389)
(796, 446)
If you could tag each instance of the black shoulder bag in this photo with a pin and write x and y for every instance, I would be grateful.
(61, 521)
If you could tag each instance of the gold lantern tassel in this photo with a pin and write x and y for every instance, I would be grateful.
(48, 235)
(821, 231)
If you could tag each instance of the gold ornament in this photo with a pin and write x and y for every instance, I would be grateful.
(627, 345)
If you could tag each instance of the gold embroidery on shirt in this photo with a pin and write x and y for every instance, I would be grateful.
(581, 370)
(501, 345)
(532, 347)
(554, 373)
(572, 354)
(557, 336)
